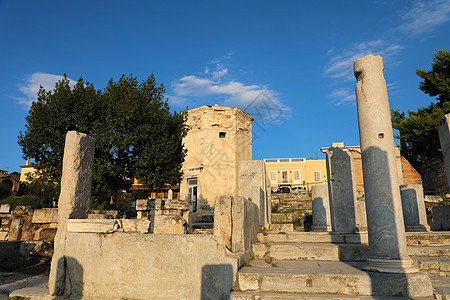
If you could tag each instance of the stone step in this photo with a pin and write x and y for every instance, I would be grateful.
(311, 237)
(438, 238)
(429, 251)
(437, 281)
(434, 266)
(333, 252)
(328, 278)
(297, 296)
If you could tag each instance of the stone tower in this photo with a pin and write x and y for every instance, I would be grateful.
(218, 139)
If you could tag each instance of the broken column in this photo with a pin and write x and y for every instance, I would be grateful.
(341, 190)
(413, 205)
(74, 201)
(444, 138)
(386, 231)
(320, 208)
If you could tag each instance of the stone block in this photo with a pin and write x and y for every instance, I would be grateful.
(253, 183)
(413, 206)
(92, 225)
(45, 234)
(116, 271)
(441, 217)
(3, 235)
(281, 227)
(444, 266)
(129, 225)
(175, 204)
(222, 219)
(98, 216)
(15, 229)
(168, 224)
(279, 218)
(320, 208)
(4, 209)
(245, 216)
(45, 215)
(143, 204)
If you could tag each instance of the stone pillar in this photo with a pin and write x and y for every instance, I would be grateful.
(320, 208)
(386, 231)
(414, 214)
(74, 201)
(170, 194)
(444, 138)
(341, 190)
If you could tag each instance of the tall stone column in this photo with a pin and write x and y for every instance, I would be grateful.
(342, 190)
(386, 231)
(414, 213)
(74, 201)
(320, 208)
(444, 138)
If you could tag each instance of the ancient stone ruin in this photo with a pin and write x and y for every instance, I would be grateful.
(357, 247)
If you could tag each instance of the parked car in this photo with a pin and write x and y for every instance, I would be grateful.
(284, 190)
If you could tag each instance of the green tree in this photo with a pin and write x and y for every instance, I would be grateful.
(436, 82)
(135, 133)
(418, 132)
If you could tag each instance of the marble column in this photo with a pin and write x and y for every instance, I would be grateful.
(386, 231)
(341, 190)
(74, 201)
(444, 138)
(414, 213)
(320, 208)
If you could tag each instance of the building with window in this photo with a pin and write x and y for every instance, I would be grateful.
(295, 172)
(218, 139)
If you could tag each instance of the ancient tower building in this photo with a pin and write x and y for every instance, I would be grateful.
(218, 139)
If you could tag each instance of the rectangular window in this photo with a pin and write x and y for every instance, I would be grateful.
(271, 160)
(222, 135)
(273, 176)
(296, 176)
(297, 159)
(284, 159)
(284, 177)
(316, 175)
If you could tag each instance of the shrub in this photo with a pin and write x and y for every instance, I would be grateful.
(26, 200)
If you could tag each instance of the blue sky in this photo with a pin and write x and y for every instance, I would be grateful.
(294, 57)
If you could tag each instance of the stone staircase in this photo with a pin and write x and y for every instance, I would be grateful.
(310, 265)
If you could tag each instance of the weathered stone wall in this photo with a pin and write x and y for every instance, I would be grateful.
(435, 179)
(146, 266)
(410, 175)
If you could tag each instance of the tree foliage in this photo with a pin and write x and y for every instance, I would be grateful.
(436, 82)
(418, 132)
(136, 135)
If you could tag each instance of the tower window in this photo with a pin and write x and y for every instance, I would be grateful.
(222, 135)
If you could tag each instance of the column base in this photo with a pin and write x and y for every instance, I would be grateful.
(396, 266)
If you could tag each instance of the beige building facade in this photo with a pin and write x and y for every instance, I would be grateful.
(296, 172)
(219, 138)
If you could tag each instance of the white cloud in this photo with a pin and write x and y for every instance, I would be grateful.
(31, 84)
(341, 65)
(341, 96)
(424, 16)
(217, 87)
